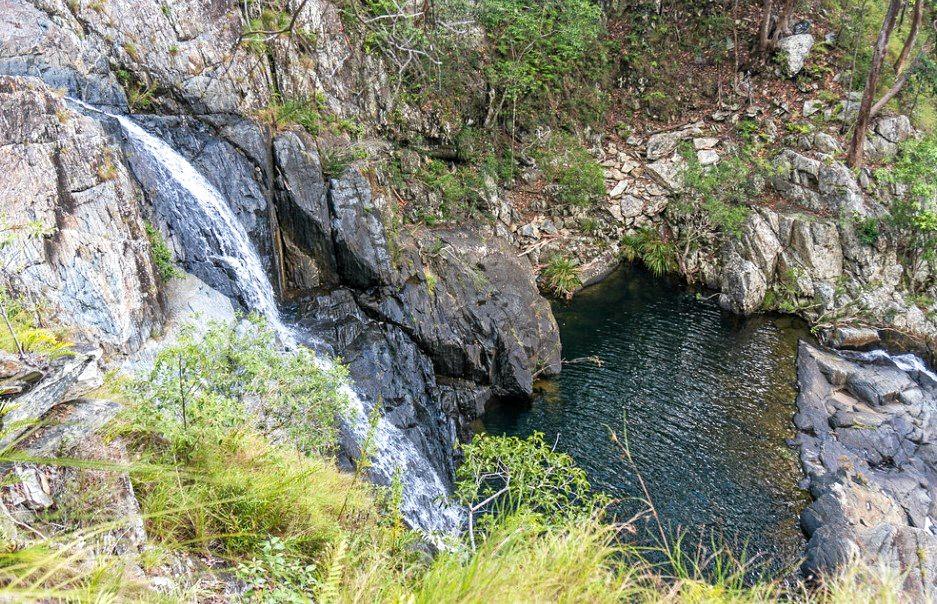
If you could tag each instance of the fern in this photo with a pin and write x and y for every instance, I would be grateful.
(330, 588)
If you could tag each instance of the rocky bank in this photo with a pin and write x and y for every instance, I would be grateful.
(867, 436)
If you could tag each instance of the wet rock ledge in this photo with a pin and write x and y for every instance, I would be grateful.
(868, 446)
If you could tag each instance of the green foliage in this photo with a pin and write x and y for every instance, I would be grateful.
(573, 174)
(560, 276)
(66, 570)
(460, 187)
(785, 294)
(545, 56)
(335, 159)
(913, 215)
(21, 331)
(647, 245)
(284, 112)
(868, 230)
(162, 255)
(209, 474)
(276, 574)
(720, 192)
(523, 475)
(202, 386)
(451, 185)
(141, 96)
(269, 20)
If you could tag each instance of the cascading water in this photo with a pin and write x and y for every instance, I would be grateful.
(909, 363)
(218, 250)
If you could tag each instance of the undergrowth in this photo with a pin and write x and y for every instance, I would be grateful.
(221, 489)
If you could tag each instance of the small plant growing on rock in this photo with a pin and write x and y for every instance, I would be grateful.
(560, 276)
(162, 255)
(337, 158)
(647, 245)
(107, 170)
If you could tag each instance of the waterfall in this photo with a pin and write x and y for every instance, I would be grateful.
(909, 363)
(219, 251)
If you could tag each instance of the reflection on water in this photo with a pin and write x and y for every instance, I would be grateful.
(708, 397)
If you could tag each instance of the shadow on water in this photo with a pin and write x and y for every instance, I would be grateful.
(709, 399)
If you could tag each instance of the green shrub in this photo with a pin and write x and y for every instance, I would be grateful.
(545, 55)
(20, 332)
(523, 475)
(867, 229)
(560, 276)
(209, 474)
(202, 385)
(162, 255)
(573, 174)
(912, 217)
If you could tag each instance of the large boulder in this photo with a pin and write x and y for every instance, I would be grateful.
(476, 309)
(743, 285)
(793, 52)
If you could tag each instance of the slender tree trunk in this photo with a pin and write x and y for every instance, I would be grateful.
(784, 21)
(890, 93)
(763, 35)
(875, 71)
(901, 63)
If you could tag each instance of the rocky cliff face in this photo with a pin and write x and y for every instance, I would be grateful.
(76, 214)
(867, 437)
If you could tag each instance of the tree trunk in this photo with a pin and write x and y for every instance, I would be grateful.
(875, 71)
(890, 93)
(767, 13)
(784, 21)
(901, 63)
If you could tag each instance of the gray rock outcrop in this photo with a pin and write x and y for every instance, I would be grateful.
(793, 52)
(867, 433)
(75, 212)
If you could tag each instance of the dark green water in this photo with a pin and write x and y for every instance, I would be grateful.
(709, 399)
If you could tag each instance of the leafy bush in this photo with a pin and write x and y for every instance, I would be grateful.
(209, 472)
(523, 475)
(867, 229)
(560, 276)
(21, 332)
(573, 174)
(162, 255)
(545, 55)
(207, 385)
(913, 215)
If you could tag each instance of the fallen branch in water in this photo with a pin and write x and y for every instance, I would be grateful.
(594, 360)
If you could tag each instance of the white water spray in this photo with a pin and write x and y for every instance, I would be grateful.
(908, 362)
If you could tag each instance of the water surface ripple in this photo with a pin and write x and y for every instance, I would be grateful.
(709, 399)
